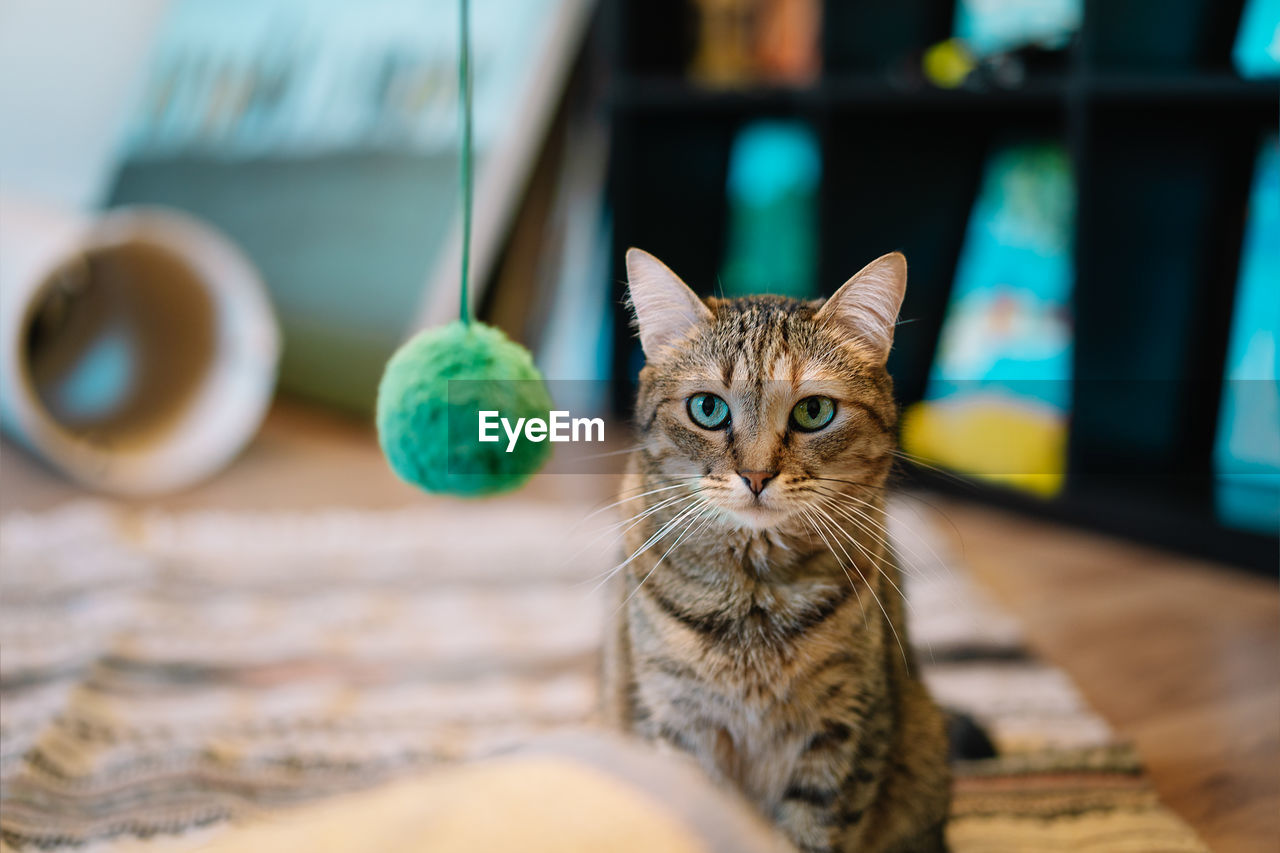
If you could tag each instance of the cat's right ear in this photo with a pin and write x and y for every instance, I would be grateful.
(666, 309)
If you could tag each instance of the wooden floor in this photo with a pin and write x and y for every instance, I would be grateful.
(1181, 656)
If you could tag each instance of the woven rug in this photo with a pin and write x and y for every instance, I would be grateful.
(161, 675)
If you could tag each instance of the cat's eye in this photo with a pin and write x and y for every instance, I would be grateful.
(708, 411)
(813, 413)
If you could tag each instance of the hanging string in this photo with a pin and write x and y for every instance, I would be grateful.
(464, 110)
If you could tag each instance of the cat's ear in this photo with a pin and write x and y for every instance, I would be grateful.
(666, 309)
(866, 306)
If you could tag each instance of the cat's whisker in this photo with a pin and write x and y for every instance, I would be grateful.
(711, 516)
(645, 511)
(632, 521)
(651, 482)
(814, 521)
(852, 514)
(905, 660)
(887, 538)
(706, 513)
(825, 503)
(917, 572)
(917, 498)
(858, 483)
(619, 529)
(705, 509)
(826, 493)
(877, 561)
(865, 522)
(685, 481)
(847, 556)
(649, 543)
(635, 520)
(649, 510)
(951, 589)
(918, 460)
(936, 557)
(642, 491)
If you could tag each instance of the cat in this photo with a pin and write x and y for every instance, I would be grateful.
(759, 622)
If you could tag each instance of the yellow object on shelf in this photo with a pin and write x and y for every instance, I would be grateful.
(990, 437)
(948, 63)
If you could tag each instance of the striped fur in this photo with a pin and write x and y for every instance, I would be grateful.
(763, 634)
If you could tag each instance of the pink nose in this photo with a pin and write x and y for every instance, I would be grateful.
(757, 480)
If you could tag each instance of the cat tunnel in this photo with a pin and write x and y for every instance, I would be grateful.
(138, 349)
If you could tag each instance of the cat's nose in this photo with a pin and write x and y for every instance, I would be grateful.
(757, 480)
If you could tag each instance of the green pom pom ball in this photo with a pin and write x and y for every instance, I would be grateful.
(429, 401)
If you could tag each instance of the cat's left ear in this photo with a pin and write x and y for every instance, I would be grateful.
(866, 306)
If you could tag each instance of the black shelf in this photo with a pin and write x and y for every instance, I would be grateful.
(1222, 87)
(658, 93)
(1162, 135)
(669, 94)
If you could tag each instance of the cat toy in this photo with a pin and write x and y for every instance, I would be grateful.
(437, 382)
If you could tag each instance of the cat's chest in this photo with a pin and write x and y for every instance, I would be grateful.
(756, 696)
(758, 754)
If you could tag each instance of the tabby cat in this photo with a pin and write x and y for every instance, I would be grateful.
(759, 625)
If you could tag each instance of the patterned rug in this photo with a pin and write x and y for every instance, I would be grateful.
(161, 675)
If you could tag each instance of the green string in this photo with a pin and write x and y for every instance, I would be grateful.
(464, 108)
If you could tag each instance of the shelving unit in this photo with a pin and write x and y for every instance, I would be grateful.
(1162, 134)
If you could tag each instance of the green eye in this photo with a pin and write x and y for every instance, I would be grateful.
(708, 411)
(813, 413)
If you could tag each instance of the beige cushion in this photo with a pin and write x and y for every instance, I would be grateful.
(586, 793)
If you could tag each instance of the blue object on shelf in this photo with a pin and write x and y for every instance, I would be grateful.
(774, 170)
(1247, 453)
(1257, 49)
(996, 27)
